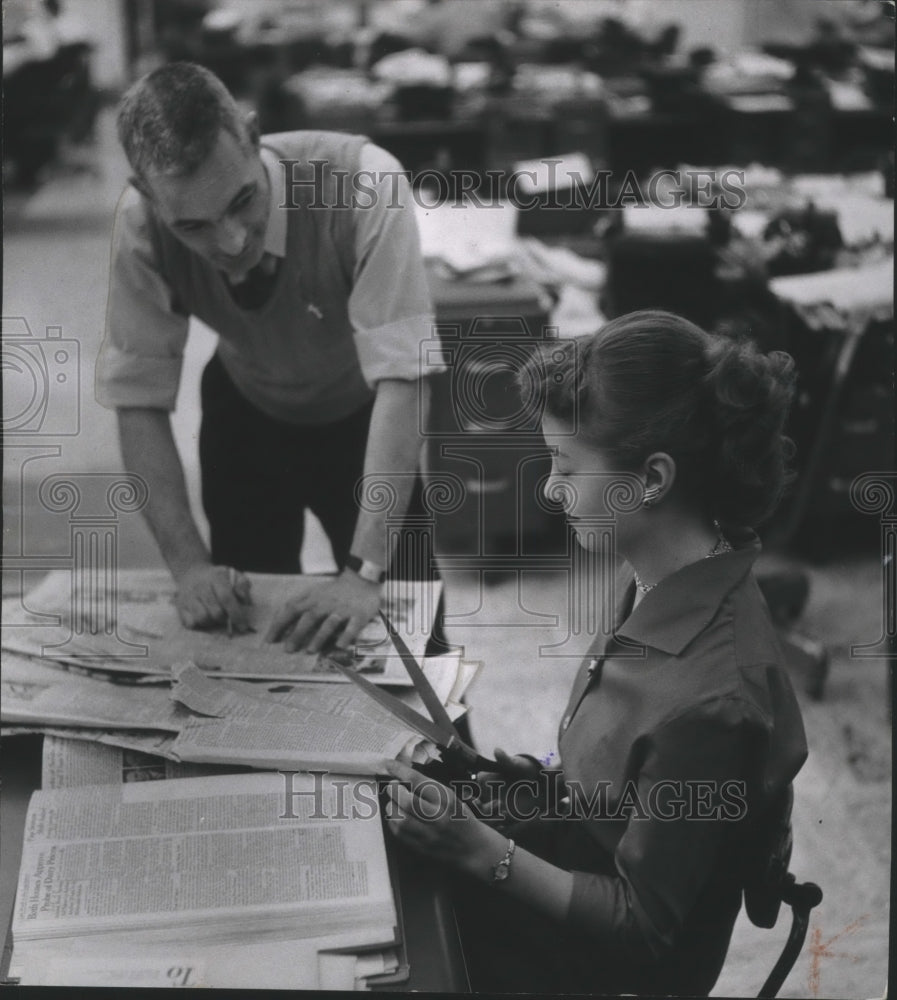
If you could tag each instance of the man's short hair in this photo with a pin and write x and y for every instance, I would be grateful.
(169, 120)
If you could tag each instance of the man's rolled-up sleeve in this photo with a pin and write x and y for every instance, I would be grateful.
(667, 855)
(390, 307)
(139, 362)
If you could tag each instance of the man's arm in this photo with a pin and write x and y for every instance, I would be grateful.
(393, 456)
(392, 316)
(138, 370)
(341, 610)
(205, 594)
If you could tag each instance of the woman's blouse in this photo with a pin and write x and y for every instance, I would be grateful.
(681, 728)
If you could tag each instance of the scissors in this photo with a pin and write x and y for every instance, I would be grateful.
(439, 728)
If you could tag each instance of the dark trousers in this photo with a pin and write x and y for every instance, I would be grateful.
(259, 475)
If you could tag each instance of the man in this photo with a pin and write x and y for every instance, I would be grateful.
(320, 302)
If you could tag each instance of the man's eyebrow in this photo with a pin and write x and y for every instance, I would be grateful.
(248, 188)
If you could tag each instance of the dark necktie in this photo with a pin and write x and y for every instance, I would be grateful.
(254, 290)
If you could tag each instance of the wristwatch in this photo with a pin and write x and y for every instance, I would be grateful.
(368, 571)
(503, 869)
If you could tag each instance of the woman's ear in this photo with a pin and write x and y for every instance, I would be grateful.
(659, 472)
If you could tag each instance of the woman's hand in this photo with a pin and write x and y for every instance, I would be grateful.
(519, 791)
(431, 819)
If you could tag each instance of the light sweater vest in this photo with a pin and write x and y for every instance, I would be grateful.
(293, 357)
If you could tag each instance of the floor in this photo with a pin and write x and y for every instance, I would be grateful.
(55, 273)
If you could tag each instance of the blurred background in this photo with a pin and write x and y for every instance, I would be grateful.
(578, 119)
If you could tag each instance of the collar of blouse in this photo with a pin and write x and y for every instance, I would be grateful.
(684, 603)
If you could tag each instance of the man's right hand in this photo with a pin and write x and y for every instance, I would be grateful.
(206, 597)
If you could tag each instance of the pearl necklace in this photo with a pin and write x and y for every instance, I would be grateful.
(721, 546)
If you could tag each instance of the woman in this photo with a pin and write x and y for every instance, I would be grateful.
(682, 728)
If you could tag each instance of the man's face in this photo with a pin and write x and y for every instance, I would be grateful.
(220, 211)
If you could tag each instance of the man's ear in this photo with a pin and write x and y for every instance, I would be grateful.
(251, 124)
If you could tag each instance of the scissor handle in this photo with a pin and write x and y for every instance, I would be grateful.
(472, 760)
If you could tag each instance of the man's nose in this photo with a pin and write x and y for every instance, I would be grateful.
(232, 236)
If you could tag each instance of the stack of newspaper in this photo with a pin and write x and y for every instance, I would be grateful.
(153, 854)
(117, 667)
(234, 880)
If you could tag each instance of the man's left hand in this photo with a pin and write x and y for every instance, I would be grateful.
(332, 614)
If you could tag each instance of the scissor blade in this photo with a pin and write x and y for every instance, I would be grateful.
(429, 697)
(399, 709)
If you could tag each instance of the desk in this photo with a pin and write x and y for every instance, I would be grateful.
(843, 341)
(431, 937)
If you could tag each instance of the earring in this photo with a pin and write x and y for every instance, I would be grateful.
(649, 497)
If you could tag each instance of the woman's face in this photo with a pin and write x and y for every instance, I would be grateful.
(582, 479)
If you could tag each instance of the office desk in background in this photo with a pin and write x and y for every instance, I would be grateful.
(431, 937)
(484, 435)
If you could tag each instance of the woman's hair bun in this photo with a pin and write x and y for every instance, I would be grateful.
(749, 395)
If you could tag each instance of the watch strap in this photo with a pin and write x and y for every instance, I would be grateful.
(366, 569)
(503, 869)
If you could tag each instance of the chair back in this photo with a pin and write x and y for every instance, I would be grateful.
(768, 883)
(767, 862)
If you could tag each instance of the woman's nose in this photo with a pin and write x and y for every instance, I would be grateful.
(557, 491)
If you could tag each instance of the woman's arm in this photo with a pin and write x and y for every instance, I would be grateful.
(679, 808)
(429, 818)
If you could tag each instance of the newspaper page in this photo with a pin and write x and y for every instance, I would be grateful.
(71, 763)
(306, 726)
(447, 674)
(241, 727)
(59, 698)
(280, 964)
(345, 973)
(235, 699)
(16, 668)
(311, 744)
(147, 742)
(450, 677)
(136, 628)
(207, 858)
